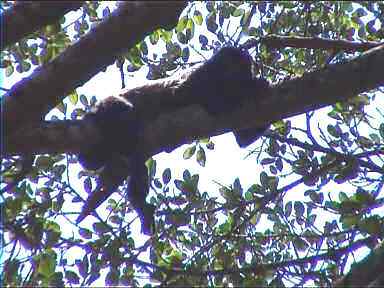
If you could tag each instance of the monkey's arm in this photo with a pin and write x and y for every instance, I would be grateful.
(114, 117)
(112, 174)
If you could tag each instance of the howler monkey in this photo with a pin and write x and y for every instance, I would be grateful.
(220, 85)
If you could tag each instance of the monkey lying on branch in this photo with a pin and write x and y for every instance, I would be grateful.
(220, 85)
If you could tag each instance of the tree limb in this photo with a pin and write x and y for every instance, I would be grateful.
(26, 17)
(77, 64)
(166, 128)
(366, 271)
(278, 41)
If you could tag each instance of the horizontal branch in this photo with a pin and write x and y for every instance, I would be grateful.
(26, 17)
(277, 41)
(168, 129)
(262, 268)
(78, 63)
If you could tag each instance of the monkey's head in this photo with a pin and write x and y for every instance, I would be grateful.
(234, 60)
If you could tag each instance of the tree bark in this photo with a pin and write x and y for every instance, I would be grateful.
(77, 64)
(28, 16)
(278, 41)
(367, 273)
(312, 91)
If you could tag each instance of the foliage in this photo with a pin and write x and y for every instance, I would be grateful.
(319, 192)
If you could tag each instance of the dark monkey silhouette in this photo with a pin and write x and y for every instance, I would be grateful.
(220, 85)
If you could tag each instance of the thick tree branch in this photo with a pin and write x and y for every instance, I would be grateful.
(166, 128)
(46, 86)
(366, 271)
(26, 17)
(277, 41)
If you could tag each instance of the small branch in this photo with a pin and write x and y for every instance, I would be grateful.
(258, 268)
(318, 148)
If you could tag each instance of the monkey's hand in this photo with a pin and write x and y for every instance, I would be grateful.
(111, 176)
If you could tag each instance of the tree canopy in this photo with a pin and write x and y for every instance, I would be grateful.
(312, 216)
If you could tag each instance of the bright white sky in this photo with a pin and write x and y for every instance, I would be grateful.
(223, 165)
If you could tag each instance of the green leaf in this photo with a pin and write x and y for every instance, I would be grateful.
(181, 24)
(182, 38)
(144, 48)
(203, 40)
(210, 6)
(288, 209)
(264, 179)
(244, 20)
(87, 185)
(72, 277)
(211, 22)
(364, 142)
(62, 107)
(333, 131)
(166, 36)
(151, 165)
(300, 244)
(84, 100)
(25, 66)
(198, 17)
(200, 157)
(225, 228)
(44, 162)
(134, 57)
(83, 265)
(186, 175)
(381, 130)
(372, 225)
(375, 138)
(56, 280)
(346, 6)
(47, 264)
(9, 70)
(166, 176)
(188, 153)
(100, 228)
(248, 196)
(299, 209)
(157, 183)
(85, 233)
(267, 161)
(343, 196)
(154, 37)
(349, 220)
(185, 54)
(238, 12)
(360, 12)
